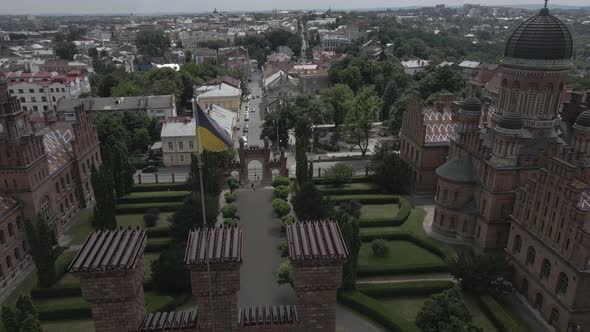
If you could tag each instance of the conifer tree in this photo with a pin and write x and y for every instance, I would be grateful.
(43, 250)
(104, 195)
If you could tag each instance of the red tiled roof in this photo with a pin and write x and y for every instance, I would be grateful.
(214, 245)
(317, 240)
(169, 321)
(268, 315)
(110, 250)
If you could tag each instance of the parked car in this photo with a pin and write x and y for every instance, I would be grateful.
(245, 138)
(150, 169)
(245, 129)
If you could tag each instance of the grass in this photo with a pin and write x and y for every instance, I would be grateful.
(169, 193)
(402, 255)
(79, 232)
(78, 325)
(379, 211)
(61, 302)
(148, 258)
(369, 187)
(134, 220)
(154, 301)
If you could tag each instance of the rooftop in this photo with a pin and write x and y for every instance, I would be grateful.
(186, 128)
(218, 90)
(110, 250)
(268, 315)
(315, 240)
(117, 103)
(214, 245)
(457, 170)
(169, 321)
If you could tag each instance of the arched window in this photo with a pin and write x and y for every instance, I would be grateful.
(8, 262)
(545, 268)
(517, 244)
(524, 286)
(16, 254)
(25, 246)
(562, 283)
(19, 223)
(2, 238)
(10, 229)
(445, 192)
(452, 222)
(539, 301)
(63, 184)
(530, 255)
(554, 318)
(57, 187)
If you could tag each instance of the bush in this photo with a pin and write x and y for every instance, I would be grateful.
(352, 207)
(159, 187)
(158, 232)
(230, 222)
(283, 248)
(229, 211)
(142, 208)
(445, 311)
(410, 288)
(339, 174)
(280, 207)
(280, 181)
(377, 312)
(177, 197)
(151, 217)
(281, 192)
(233, 184)
(354, 179)
(284, 274)
(286, 220)
(379, 247)
(366, 199)
(497, 314)
(168, 271)
(230, 198)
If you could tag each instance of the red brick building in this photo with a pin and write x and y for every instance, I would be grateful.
(44, 168)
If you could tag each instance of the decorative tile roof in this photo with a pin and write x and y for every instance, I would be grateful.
(268, 315)
(458, 170)
(214, 245)
(316, 240)
(57, 145)
(110, 250)
(439, 126)
(169, 321)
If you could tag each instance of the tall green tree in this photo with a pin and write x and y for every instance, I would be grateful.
(24, 319)
(351, 234)
(309, 203)
(212, 166)
(104, 195)
(362, 111)
(389, 98)
(336, 97)
(388, 170)
(445, 311)
(482, 274)
(152, 43)
(43, 249)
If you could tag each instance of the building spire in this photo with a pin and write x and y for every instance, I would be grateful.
(546, 3)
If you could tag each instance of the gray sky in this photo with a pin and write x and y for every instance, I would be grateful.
(188, 6)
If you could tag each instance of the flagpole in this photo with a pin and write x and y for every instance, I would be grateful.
(200, 168)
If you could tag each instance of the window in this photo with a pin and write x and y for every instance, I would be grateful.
(182, 158)
(2, 238)
(68, 178)
(517, 244)
(554, 318)
(191, 145)
(25, 246)
(23, 100)
(562, 283)
(33, 99)
(87, 187)
(545, 268)
(57, 187)
(16, 254)
(442, 220)
(51, 89)
(19, 223)
(10, 230)
(538, 301)
(63, 89)
(464, 230)
(445, 192)
(452, 222)
(31, 90)
(455, 197)
(170, 146)
(25, 108)
(20, 91)
(180, 146)
(45, 107)
(8, 262)
(43, 99)
(524, 286)
(36, 108)
(53, 98)
(63, 184)
(530, 255)
(41, 90)
(483, 206)
(11, 91)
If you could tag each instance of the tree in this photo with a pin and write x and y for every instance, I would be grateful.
(440, 78)
(168, 271)
(212, 166)
(25, 319)
(152, 43)
(9, 319)
(336, 98)
(190, 216)
(339, 174)
(43, 249)
(351, 234)
(388, 170)
(151, 217)
(64, 46)
(126, 89)
(389, 97)
(233, 184)
(104, 195)
(445, 311)
(301, 162)
(284, 274)
(309, 203)
(482, 274)
(362, 111)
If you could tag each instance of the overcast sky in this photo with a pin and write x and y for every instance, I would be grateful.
(191, 6)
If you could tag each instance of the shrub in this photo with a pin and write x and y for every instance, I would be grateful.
(410, 288)
(339, 174)
(229, 211)
(284, 274)
(52, 292)
(280, 207)
(230, 198)
(352, 207)
(498, 315)
(168, 271)
(233, 184)
(280, 181)
(286, 220)
(379, 247)
(53, 314)
(159, 187)
(151, 217)
(310, 204)
(281, 192)
(230, 222)
(445, 311)
(283, 248)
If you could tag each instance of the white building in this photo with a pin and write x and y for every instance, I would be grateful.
(42, 91)
(333, 42)
(161, 107)
(412, 67)
(222, 94)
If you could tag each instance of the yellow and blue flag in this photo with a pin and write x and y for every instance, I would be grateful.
(210, 136)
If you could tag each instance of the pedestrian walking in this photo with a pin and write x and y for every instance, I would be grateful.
(252, 185)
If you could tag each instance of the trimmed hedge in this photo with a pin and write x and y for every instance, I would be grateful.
(354, 179)
(498, 315)
(410, 288)
(280, 181)
(407, 237)
(374, 310)
(158, 232)
(329, 190)
(157, 245)
(366, 199)
(373, 271)
(154, 199)
(52, 314)
(180, 186)
(142, 208)
(53, 292)
(405, 207)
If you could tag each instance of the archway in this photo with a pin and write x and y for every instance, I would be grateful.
(275, 172)
(255, 170)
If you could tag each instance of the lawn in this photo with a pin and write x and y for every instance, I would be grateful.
(79, 232)
(60, 302)
(148, 258)
(169, 193)
(364, 186)
(409, 306)
(78, 325)
(134, 220)
(402, 255)
(379, 211)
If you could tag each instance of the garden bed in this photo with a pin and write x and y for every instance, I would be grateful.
(349, 189)
(154, 197)
(181, 186)
(365, 199)
(143, 207)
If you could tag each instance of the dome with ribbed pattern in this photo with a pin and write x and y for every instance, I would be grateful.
(583, 119)
(541, 37)
(511, 120)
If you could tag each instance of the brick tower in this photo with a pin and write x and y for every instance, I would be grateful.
(110, 267)
(317, 253)
(221, 249)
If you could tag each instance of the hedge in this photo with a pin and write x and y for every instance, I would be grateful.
(142, 208)
(373, 271)
(154, 199)
(159, 187)
(157, 245)
(405, 207)
(498, 315)
(374, 310)
(52, 314)
(410, 288)
(354, 179)
(408, 237)
(366, 199)
(158, 232)
(280, 181)
(53, 292)
(345, 191)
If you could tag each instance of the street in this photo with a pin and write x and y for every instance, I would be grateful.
(256, 121)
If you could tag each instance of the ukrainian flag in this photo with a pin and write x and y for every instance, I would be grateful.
(210, 136)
